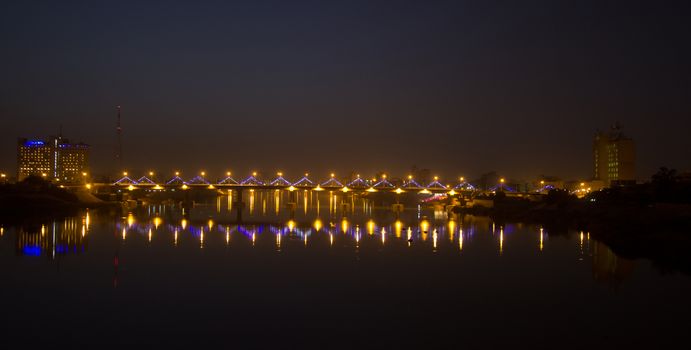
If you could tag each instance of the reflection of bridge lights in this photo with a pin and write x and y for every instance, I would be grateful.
(291, 225)
(157, 222)
(183, 223)
(344, 226)
(370, 227)
(452, 229)
(317, 225)
(398, 227)
(130, 220)
(210, 224)
(424, 226)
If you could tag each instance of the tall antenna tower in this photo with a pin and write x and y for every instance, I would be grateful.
(118, 150)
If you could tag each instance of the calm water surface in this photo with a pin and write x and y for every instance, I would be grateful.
(328, 275)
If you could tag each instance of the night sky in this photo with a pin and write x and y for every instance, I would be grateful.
(462, 88)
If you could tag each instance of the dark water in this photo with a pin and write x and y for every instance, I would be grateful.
(360, 276)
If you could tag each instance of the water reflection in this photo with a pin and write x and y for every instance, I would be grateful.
(353, 223)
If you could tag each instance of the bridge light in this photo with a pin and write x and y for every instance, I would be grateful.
(410, 177)
(184, 186)
(318, 188)
(203, 173)
(124, 173)
(254, 173)
(44, 175)
(399, 191)
(307, 174)
(291, 189)
(130, 187)
(371, 189)
(88, 186)
(151, 173)
(227, 173)
(542, 182)
(436, 178)
(501, 180)
(332, 174)
(345, 189)
(358, 176)
(462, 178)
(452, 193)
(177, 173)
(279, 173)
(582, 184)
(83, 174)
(383, 176)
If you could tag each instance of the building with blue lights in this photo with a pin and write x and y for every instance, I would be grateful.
(56, 159)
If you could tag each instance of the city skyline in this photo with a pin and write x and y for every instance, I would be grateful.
(458, 88)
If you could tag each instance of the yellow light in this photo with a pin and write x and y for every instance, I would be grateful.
(130, 187)
(158, 187)
(88, 186)
(425, 191)
(358, 176)
(344, 226)
(157, 222)
(384, 176)
(130, 219)
(211, 187)
(582, 184)
(3, 175)
(184, 186)
(291, 188)
(452, 193)
(151, 173)
(410, 177)
(44, 175)
(307, 174)
(177, 173)
(291, 225)
(279, 173)
(332, 174)
(542, 182)
(124, 173)
(254, 173)
(183, 223)
(462, 179)
(424, 226)
(318, 188)
(83, 174)
(227, 173)
(203, 173)
(501, 180)
(317, 225)
(436, 178)
(370, 227)
(371, 189)
(345, 189)
(399, 191)
(210, 223)
(398, 228)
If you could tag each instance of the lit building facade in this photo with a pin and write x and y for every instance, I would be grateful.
(614, 158)
(56, 159)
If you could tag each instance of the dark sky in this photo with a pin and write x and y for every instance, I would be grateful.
(459, 87)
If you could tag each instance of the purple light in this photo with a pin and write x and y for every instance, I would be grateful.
(383, 184)
(280, 181)
(332, 182)
(198, 180)
(125, 181)
(304, 182)
(357, 183)
(145, 181)
(228, 181)
(251, 181)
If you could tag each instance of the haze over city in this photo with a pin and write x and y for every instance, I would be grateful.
(460, 88)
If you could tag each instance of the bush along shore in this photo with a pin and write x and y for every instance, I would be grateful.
(36, 198)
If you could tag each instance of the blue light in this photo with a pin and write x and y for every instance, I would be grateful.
(34, 143)
(32, 250)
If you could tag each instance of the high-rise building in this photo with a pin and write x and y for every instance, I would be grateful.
(56, 159)
(614, 158)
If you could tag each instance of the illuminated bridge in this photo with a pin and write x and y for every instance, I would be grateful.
(304, 183)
